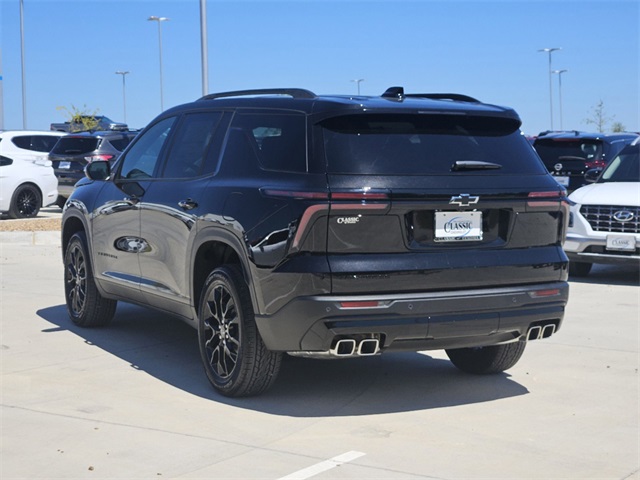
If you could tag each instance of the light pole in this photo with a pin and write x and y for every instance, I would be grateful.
(24, 81)
(357, 81)
(559, 73)
(203, 47)
(124, 95)
(153, 18)
(549, 51)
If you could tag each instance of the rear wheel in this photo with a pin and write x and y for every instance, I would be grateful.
(486, 360)
(60, 201)
(26, 202)
(236, 361)
(579, 269)
(86, 307)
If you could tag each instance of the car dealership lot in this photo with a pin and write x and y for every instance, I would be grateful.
(132, 401)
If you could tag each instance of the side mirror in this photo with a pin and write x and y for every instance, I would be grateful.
(591, 176)
(97, 170)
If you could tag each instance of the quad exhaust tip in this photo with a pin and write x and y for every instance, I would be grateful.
(348, 347)
(541, 331)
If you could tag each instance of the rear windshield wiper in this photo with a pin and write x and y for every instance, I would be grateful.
(474, 165)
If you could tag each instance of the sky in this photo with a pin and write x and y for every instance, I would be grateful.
(485, 49)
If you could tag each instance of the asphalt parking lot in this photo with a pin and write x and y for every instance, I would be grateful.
(132, 401)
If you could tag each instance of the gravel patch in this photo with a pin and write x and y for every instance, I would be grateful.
(30, 225)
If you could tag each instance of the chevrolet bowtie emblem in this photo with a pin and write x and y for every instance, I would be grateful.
(464, 200)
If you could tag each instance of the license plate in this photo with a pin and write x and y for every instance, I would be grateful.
(458, 226)
(564, 181)
(621, 242)
(65, 165)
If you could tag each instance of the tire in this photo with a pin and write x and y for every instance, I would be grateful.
(487, 360)
(85, 305)
(579, 269)
(26, 202)
(60, 201)
(235, 359)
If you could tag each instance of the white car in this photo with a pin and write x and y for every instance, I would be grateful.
(28, 144)
(25, 186)
(604, 226)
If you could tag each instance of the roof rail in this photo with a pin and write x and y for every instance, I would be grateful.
(444, 96)
(292, 92)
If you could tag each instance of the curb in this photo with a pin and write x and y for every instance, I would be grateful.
(31, 238)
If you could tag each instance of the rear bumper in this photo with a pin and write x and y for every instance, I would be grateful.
(426, 321)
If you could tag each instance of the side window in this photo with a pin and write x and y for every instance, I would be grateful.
(22, 142)
(141, 160)
(43, 143)
(191, 143)
(278, 139)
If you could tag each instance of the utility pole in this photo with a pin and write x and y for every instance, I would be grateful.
(203, 47)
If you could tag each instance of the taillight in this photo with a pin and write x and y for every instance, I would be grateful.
(99, 158)
(546, 199)
(596, 164)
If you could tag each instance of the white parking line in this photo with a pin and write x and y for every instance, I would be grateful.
(314, 470)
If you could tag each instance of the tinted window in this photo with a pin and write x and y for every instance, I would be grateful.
(625, 167)
(4, 161)
(278, 141)
(37, 143)
(140, 161)
(191, 144)
(425, 144)
(120, 143)
(554, 150)
(71, 145)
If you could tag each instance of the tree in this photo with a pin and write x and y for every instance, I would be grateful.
(80, 120)
(598, 117)
(618, 127)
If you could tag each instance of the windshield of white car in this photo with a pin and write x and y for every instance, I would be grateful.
(625, 167)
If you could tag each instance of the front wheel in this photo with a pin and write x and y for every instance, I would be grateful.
(486, 360)
(579, 269)
(235, 358)
(86, 307)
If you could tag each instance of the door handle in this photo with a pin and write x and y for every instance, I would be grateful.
(187, 204)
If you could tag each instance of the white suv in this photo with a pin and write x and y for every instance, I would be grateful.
(604, 225)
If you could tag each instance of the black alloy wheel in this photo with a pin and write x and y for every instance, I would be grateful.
(235, 359)
(26, 202)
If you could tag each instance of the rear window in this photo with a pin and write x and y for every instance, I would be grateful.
(556, 150)
(75, 145)
(426, 145)
(120, 143)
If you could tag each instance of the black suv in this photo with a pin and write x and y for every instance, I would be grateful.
(325, 226)
(568, 155)
(74, 151)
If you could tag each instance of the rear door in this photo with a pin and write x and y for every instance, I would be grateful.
(426, 203)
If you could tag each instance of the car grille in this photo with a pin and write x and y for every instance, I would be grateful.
(601, 218)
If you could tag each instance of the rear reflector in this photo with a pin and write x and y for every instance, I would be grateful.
(367, 304)
(553, 292)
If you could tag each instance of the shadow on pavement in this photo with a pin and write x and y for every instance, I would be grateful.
(167, 349)
(611, 275)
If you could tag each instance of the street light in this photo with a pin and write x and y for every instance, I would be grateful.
(203, 47)
(357, 81)
(153, 18)
(559, 73)
(549, 51)
(124, 96)
(24, 81)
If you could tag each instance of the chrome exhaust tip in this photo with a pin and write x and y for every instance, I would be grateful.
(534, 333)
(548, 330)
(369, 346)
(345, 347)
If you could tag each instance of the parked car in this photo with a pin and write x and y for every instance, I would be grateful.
(568, 155)
(102, 123)
(281, 221)
(27, 144)
(605, 216)
(26, 186)
(74, 151)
